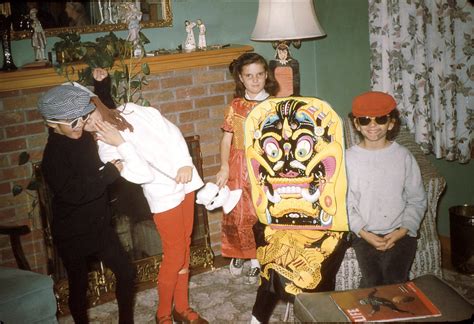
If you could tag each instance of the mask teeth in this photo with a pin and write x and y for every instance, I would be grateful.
(275, 198)
(269, 217)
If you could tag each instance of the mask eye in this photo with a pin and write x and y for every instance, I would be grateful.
(272, 150)
(304, 148)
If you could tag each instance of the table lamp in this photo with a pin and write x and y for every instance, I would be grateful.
(286, 22)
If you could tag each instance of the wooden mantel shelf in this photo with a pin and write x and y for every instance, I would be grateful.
(46, 77)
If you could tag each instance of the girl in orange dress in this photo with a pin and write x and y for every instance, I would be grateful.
(254, 83)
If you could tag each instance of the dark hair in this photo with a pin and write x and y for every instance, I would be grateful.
(391, 133)
(237, 65)
(112, 116)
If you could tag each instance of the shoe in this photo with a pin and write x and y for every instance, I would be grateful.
(164, 319)
(236, 266)
(252, 276)
(184, 317)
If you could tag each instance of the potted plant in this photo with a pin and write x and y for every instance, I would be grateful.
(69, 48)
(127, 72)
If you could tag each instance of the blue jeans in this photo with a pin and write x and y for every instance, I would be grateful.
(384, 267)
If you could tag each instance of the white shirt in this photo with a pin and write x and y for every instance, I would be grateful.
(385, 190)
(152, 155)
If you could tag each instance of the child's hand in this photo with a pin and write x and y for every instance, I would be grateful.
(393, 237)
(118, 164)
(376, 241)
(108, 133)
(99, 74)
(222, 176)
(185, 174)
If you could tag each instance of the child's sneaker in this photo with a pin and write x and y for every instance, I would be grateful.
(252, 276)
(236, 266)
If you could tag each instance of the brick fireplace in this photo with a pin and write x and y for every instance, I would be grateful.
(190, 89)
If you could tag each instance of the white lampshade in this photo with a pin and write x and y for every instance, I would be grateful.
(286, 20)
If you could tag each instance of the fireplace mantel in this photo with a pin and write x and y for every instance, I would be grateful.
(47, 77)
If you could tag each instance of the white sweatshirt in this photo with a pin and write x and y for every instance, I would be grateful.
(385, 190)
(152, 155)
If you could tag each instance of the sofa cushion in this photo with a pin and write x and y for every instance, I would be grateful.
(26, 297)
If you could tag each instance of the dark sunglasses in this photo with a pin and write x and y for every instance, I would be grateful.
(381, 120)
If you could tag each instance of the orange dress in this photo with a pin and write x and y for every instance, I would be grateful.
(237, 235)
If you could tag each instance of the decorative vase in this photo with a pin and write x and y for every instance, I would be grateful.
(5, 24)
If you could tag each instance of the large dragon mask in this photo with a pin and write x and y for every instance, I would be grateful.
(294, 149)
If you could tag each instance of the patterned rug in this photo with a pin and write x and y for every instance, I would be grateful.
(221, 298)
(218, 296)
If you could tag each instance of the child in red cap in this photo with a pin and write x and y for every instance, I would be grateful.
(386, 199)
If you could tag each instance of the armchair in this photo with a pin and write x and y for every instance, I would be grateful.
(428, 253)
(25, 296)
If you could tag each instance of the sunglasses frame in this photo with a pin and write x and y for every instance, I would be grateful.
(379, 120)
(72, 122)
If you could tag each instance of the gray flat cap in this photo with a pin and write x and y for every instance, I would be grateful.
(65, 102)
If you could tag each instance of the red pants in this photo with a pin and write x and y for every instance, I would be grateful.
(175, 227)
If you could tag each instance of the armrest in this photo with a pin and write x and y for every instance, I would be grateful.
(15, 232)
(428, 171)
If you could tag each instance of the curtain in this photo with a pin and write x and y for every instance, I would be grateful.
(421, 53)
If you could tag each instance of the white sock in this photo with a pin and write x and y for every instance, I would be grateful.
(254, 263)
(254, 320)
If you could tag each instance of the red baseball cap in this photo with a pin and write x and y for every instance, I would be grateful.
(373, 104)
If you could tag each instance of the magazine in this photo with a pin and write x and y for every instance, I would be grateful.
(385, 303)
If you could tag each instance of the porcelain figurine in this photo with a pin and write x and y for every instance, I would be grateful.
(202, 34)
(38, 38)
(190, 43)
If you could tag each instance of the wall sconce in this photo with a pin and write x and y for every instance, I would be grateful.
(286, 22)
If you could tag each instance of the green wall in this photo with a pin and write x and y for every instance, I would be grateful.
(459, 189)
(342, 57)
(334, 68)
(342, 71)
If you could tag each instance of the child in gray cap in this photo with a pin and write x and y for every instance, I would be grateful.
(81, 224)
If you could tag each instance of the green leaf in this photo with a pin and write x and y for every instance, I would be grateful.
(16, 190)
(143, 38)
(135, 84)
(23, 158)
(33, 185)
(145, 68)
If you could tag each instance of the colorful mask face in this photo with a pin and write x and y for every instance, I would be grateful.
(294, 151)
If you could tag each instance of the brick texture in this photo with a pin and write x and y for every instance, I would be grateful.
(194, 99)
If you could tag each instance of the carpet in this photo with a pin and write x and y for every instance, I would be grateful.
(221, 298)
(218, 296)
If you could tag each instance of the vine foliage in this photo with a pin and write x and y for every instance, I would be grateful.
(127, 70)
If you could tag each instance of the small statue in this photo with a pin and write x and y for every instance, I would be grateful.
(190, 43)
(202, 34)
(38, 38)
(133, 17)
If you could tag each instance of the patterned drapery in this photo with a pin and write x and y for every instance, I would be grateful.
(421, 53)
